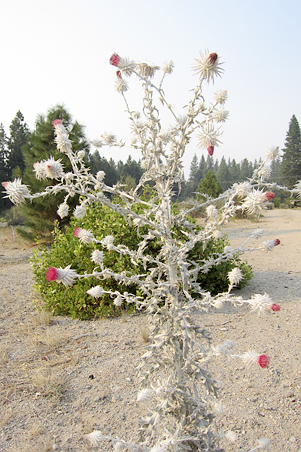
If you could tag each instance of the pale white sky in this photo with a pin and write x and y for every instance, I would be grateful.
(58, 52)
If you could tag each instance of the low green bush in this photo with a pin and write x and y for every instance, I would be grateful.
(66, 249)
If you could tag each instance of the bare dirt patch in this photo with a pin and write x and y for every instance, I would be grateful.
(62, 378)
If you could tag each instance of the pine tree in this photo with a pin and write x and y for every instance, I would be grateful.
(19, 133)
(193, 180)
(291, 159)
(223, 175)
(246, 169)
(209, 185)
(40, 214)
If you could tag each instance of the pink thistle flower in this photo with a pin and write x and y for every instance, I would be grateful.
(85, 236)
(276, 242)
(118, 73)
(115, 60)
(77, 231)
(269, 195)
(56, 122)
(210, 150)
(274, 307)
(51, 274)
(65, 275)
(263, 361)
(252, 357)
(212, 58)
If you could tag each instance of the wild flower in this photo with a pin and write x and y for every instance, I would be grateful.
(16, 191)
(84, 235)
(65, 275)
(63, 210)
(171, 371)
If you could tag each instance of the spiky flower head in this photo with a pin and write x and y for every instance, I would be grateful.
(212, 212)
(263, 304)
(144, 395)
(254, 202)
(124, 64)
(221, 115)
(85, 236)
(100, 176)
(145, 70)
(235, 276)
(96, 292)
(221, 96)
(16, 191)
(272, 153)
(94, 438)
(168, 67)
(208, 136)
(64, 275)
(118, 301)
(252, 357)
(120, 84)
(79, 212)
(208, 66)
(63, 210)
(269, 245)
(97, 257)
(107, 242)
(53, 168)
(39, 169)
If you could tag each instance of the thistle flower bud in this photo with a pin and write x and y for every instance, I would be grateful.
(64, 275)
(97, 257)
(79, 212)
(16, 191)
(269, 245)
(63, 210)
(144, 395)
(210, 150)
(115, 60)
(235, 276)
(96, 292)
(251, 357)
(269, 195)
(212, 58)
(85, 236)
(94, 438)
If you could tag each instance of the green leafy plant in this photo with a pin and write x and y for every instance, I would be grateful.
(102, 221)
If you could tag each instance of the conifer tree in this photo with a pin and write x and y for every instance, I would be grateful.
(19, 134)
(223, 175)
(40, 214)
(193, 180)
(209, 185)
(291, 159)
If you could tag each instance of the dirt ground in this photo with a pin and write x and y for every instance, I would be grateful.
(61, 378)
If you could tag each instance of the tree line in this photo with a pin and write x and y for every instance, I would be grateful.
(22, 148)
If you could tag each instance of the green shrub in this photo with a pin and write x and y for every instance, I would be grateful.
(67, 249)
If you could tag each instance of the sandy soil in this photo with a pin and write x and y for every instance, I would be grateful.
(61, 379)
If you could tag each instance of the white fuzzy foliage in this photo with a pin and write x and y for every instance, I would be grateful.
(183, 403)
(63, 210)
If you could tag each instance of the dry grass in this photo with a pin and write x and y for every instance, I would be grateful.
(144, 332)
(3, 356)
(47, 383)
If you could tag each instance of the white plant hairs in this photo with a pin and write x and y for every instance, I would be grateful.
(173, 370)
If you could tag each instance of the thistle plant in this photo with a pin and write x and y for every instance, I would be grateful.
(173, 372)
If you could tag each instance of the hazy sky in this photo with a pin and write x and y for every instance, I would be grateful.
(58, 52)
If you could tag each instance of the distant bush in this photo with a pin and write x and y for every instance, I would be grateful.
(66, 248)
